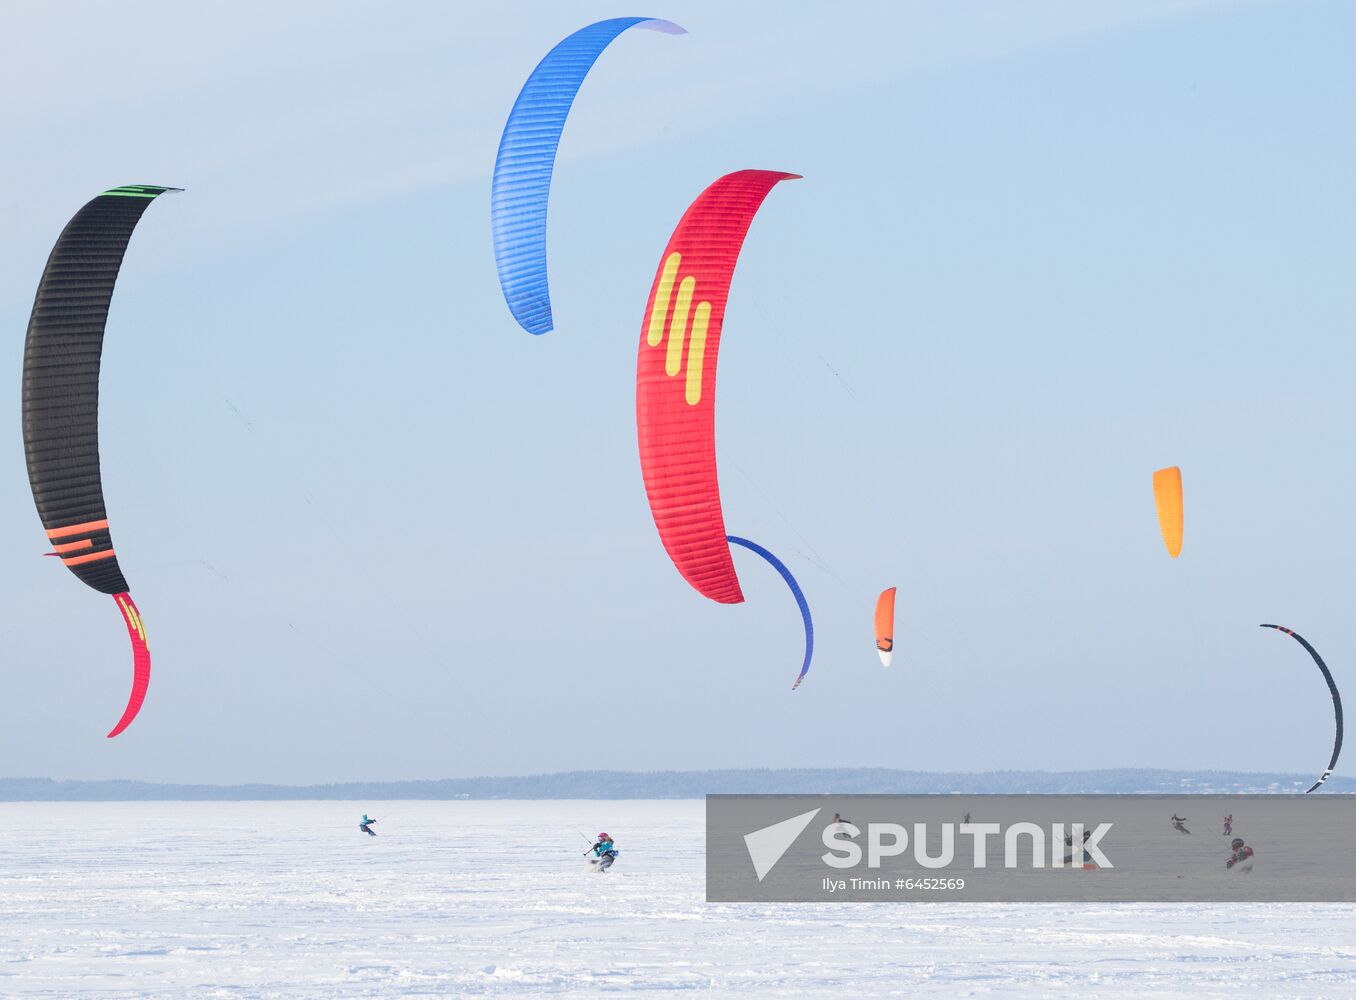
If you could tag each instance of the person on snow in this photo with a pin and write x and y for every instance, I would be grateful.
(840, 820)
(1228, 824)
(1242, 855)
(605, 851)
(366, 826)
(1179, 823)
(1068, 842)
(966, 819)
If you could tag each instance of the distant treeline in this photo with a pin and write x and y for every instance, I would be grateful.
(687, 785)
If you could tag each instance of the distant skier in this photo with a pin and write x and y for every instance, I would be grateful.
(841, 826)
(605, 851)
(366, 826)
(1068, 842)
(1241, 856)
(1179, 823)
(966, 819)
(1228, 824)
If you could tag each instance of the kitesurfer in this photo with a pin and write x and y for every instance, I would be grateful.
(605, 851)
(1179, 823)
(1241, 856)
(1228, 824)
(1068, 842)
(366, 826)
(844, 823)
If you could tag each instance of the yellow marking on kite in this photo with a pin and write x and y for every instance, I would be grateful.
(677, 327)
(673, 361)
(660, 312)
(133, 619)
(696, 351)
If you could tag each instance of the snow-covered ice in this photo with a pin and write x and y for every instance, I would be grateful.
(261, 899)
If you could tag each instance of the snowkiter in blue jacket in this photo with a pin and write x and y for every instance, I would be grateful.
(605, 851)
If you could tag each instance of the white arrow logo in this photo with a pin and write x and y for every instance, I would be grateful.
(766, 846)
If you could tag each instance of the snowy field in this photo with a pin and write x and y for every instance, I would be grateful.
(262, 899)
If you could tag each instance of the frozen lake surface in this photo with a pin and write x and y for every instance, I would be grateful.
(261, 899)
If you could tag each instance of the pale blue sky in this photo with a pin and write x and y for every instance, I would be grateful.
(376, 531)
